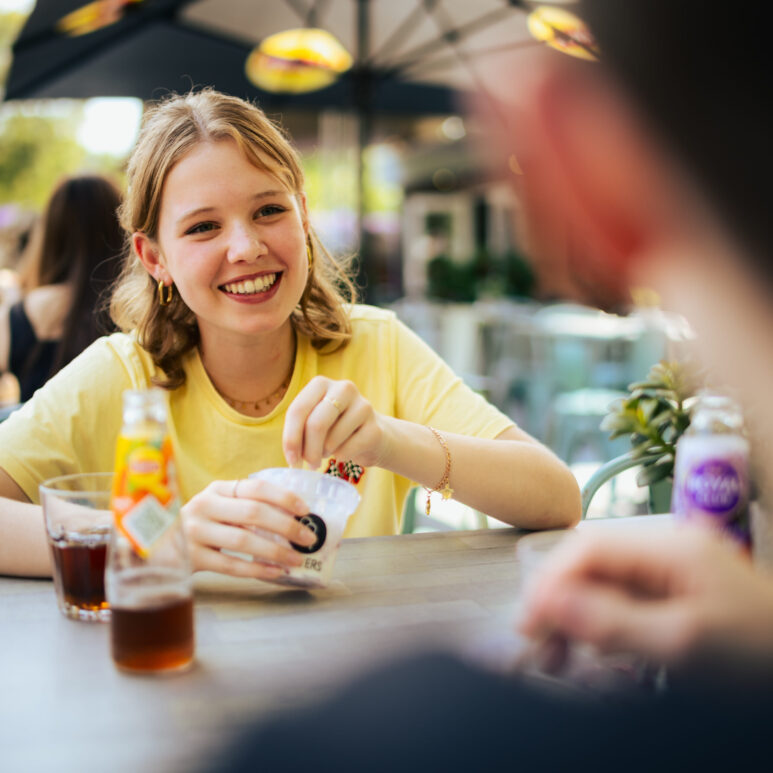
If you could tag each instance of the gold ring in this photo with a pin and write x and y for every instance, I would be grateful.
(236, 486)
(335, 404)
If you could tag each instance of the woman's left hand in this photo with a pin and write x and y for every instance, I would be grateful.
(332, 418)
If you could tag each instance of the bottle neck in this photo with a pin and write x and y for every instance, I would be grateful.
(144, 406)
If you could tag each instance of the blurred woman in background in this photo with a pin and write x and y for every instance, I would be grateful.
(72, 258)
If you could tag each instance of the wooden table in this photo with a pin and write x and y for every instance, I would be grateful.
(64, 706)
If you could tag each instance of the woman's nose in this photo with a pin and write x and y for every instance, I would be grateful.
(245, 244)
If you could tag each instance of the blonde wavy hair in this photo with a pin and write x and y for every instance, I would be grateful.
(170, 130)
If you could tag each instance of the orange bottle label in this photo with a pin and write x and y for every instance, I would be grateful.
(144, 498)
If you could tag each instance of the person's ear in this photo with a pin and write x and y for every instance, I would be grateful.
(604, 172)
(150, 256)
(584, 193)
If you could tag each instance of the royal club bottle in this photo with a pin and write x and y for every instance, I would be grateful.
(148, 576)
(711, 474)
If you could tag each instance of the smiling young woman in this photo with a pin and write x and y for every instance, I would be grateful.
(229, 301)
(234, 245)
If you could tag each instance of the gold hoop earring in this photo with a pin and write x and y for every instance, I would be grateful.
(309, 254)
(164, 299)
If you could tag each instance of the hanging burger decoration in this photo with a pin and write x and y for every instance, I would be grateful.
(297, 60)
(563, 31)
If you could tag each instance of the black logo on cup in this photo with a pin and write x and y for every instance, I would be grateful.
(317, 525)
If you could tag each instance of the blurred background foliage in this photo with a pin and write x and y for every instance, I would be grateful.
(39, 144)
(36, 149)
(484, 275)
(39, 141)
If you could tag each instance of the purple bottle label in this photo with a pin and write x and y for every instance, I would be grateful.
(711, 484)
(714, 486)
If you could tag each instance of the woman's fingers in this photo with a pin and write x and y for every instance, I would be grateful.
(298, 414)
(243, 540)
(250, 517)
(319, 424)
(212, 560)
(343, 438)
(323, 415)
(260, 504)
(259, 491)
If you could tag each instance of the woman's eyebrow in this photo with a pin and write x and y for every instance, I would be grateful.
(267, 194)
(256, 197)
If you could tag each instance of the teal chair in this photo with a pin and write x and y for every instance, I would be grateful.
(574, 420)
(659, 499)
(415, 520)
(584, 360)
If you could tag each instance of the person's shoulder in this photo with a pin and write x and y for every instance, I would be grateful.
(372, 329)
(46, 308)
(363, 315)
(128, 349)
(123, 344)
(102, 370)
(120, 349)
(371, 326)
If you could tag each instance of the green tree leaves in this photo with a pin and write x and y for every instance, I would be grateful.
(35, 151)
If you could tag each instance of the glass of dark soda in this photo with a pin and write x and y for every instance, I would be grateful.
(78, 520)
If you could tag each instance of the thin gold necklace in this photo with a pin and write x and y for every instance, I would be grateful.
(266, 401)
(255, 405)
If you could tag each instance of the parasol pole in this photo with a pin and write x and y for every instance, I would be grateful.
(363, 98)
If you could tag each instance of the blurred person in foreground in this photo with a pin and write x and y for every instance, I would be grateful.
(72, 258)
(655, 164)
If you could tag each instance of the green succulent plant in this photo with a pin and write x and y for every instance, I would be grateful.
(655, 415)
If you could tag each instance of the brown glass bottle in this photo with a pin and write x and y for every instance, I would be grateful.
(154, 637)
(148, 577)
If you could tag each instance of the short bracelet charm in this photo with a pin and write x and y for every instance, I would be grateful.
(443, 486)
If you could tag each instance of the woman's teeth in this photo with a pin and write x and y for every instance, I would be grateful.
(250, 286)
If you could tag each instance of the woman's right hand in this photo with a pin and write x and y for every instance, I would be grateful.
(223, 516)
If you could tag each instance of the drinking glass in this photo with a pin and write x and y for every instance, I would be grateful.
(78, 521)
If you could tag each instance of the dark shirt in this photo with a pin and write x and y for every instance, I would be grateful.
(30, 359)
(435, 713)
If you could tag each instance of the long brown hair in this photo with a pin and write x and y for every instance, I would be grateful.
(79, 242)
(170, 130)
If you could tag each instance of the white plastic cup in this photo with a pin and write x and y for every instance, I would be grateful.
(330, 501)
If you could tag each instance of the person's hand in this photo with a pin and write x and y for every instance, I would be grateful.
(224, 516)
(682, 596)
(331, 418)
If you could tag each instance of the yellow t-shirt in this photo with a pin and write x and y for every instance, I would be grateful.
(71, 424)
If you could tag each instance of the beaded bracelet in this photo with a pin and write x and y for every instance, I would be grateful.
(443, 487)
